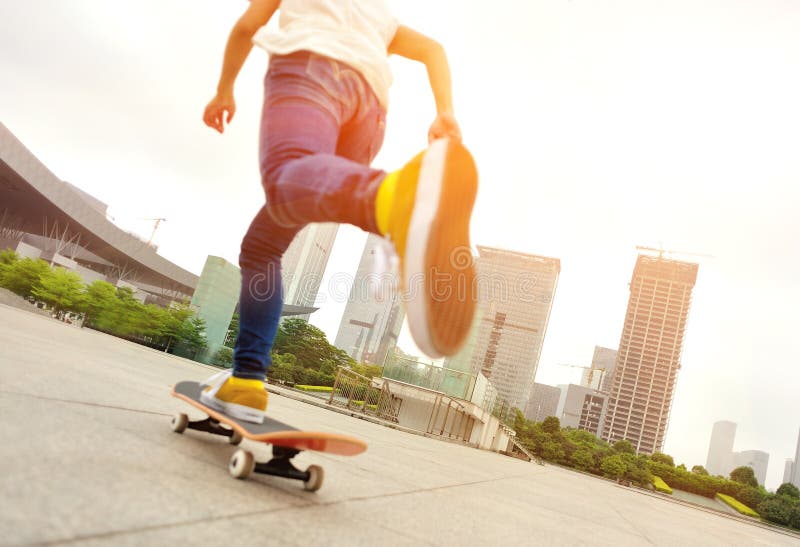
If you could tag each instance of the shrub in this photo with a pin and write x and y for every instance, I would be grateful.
(788, 489)
(740, 507)
(223, 357)
(314, 388)
(781, 510)
(661, 486)
(660, 457)
(613, 467)
(750, 496)
(744, 475)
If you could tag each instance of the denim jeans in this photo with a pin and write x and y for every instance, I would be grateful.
(321, 127)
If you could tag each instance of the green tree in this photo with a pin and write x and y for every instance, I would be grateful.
(172, 326)
(553, 451)
(192, 336)
(309, 345)
(551, 425)
(744, 475)
(583, 459)
(613, 466)
(581, 437)
(7, 259)
(22, 276)
(794, 516)
(284, 367)
(660, 457)
(364, 369)
(638, 471)
(124, 313)
(751, 496)
(233, 331)
(699, 470)
(789, 490)
(623, 447)
(148, 321)
(223, 357)
(98, 298)
(777, 509)
(61, 289)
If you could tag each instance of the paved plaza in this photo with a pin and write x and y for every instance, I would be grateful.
(88, 457)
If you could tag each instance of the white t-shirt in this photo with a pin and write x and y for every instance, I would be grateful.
(355, 32)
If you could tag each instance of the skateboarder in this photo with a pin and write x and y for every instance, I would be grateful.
(325, 98)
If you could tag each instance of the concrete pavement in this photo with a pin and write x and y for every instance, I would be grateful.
(88, 457)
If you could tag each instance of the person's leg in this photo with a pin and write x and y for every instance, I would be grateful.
(331, 185)
(307, 100)
(423, 208)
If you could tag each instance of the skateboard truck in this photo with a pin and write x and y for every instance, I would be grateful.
(242, 463)
(181, 423)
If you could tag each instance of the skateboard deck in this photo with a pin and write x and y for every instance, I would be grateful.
(286, 441)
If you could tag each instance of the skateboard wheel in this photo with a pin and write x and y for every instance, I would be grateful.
(179, 423)
(315, 477)
(236, 438)
(241, 464)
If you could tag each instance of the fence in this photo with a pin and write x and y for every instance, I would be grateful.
(450, 419)
(454, 383)
(356, 392)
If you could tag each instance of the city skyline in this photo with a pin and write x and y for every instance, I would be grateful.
(606, 132)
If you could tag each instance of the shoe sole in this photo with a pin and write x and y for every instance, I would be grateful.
(441, 310)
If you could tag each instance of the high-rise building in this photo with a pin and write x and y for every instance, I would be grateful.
(796, 466)
(788, 469)
(601, 373)
(720, 449)
(303, 264)
(215, 299)
(581, 407)
(515, 292)
(374, 315)
(649, 353)
(755, 459)
(543, 402)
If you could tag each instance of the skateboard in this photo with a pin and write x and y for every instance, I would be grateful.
(287, 441)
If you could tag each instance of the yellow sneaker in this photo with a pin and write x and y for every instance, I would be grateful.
(425, 209)
(239, 398)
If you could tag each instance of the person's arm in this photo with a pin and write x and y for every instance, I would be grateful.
(222, 107)
(413, 45)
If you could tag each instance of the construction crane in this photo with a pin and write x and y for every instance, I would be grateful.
(661, 251)
(155, 227)
(158, 221)
(590, 369)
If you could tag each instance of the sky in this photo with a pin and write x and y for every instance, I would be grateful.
(596, 125)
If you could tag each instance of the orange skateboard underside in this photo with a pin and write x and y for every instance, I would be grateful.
(333, 443)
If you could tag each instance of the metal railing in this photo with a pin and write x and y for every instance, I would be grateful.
(357, 393)
(455, 383)
(530, 455)
(450, 419)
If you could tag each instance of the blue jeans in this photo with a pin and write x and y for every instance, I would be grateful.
(321, 127)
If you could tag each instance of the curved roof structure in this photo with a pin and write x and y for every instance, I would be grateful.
(34, 198)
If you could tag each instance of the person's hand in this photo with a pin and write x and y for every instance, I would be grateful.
(445, 125)
(220, 111)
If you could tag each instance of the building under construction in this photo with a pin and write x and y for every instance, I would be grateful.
(649, 355)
